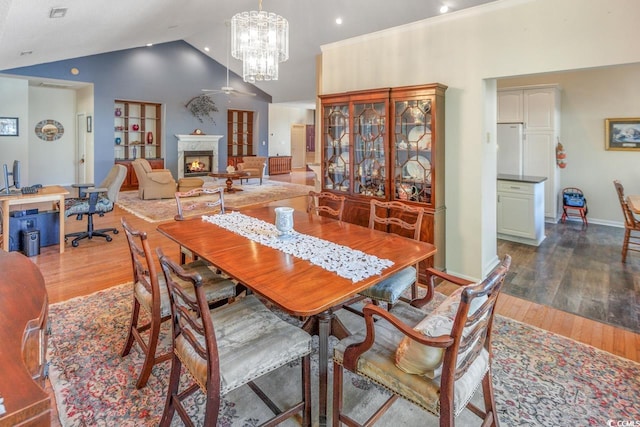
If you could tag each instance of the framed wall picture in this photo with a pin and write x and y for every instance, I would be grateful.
(8, 126)
(622, 134)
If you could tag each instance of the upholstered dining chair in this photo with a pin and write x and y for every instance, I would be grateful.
(434, 360)
(325, 203)
(228, 347)
(631, 224)
(190, 200)
(405, 220)
(97, 200)
(150, 294)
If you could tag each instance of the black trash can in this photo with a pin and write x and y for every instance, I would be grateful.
(31, 242)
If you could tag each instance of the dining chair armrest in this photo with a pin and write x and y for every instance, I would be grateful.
(353, 352)
(432, 273)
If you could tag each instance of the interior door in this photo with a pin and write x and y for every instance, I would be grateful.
(81, 148)
(298, 148)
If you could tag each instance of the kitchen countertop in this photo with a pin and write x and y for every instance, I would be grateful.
(522, 178)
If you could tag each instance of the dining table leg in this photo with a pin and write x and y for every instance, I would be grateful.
(324, 329)
(324, 325)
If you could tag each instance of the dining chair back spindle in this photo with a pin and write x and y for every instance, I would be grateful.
(226, 348)
(434, 360)
(325, 204)
(191, 200)
(398, 218)
(631, 224)
(150, 294)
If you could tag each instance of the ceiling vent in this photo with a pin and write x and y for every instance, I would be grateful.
(58, 12)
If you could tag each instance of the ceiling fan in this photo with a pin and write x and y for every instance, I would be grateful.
(227, 89)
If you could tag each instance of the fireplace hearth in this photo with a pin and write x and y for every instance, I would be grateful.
(199, 149)
(197, 163)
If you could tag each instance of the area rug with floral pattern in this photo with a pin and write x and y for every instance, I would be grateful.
(252, 193)
(540, 379)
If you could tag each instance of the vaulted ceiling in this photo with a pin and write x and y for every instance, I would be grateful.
(28, 35)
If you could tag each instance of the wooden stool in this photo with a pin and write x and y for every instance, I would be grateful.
(186, 184)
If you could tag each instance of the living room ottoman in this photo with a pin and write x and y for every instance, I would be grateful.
(186, 184)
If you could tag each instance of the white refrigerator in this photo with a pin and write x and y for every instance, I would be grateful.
(510, 149)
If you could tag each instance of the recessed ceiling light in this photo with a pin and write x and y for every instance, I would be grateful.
(339, 21)
(444, 9)
(206, 48)
(149, 44)
(58, 12)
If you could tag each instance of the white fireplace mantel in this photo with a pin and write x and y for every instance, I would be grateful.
(197, 143)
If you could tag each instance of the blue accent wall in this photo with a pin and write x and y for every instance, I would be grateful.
(170, 74)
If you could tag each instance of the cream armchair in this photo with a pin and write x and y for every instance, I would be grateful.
(153, 183)
(253, 166)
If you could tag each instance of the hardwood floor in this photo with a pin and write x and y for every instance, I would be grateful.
(97, 264)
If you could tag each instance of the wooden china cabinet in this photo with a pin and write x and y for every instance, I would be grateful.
(387, 144)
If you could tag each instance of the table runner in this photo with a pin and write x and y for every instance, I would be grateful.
(346, 262)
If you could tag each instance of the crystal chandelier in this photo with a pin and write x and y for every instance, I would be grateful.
(261, 40)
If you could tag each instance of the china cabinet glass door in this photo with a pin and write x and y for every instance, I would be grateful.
(336, 147)
(413, 150)
(369, 130)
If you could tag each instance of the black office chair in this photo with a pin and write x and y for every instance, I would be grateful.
(96, 200)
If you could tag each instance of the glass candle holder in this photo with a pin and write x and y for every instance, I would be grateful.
(284, 221)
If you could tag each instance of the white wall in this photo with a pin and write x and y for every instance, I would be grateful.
(588, 98)
(85, 105)
(14, 103)
(281, 118)
(466, 50)
(52, 162)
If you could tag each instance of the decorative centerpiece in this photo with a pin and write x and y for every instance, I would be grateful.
(231, 169)
(284, 221)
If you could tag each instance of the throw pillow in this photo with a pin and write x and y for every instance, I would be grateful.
(415, 358)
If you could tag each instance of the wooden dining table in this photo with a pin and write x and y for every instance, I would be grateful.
(297, 286)
(633, 201)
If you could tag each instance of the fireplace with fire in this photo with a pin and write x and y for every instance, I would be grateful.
(197, 163)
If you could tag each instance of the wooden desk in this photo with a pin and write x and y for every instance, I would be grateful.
(53, 193)
(634, 203)
(23, 316)
(295, 285)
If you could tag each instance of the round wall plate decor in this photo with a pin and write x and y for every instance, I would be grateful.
(49, 130)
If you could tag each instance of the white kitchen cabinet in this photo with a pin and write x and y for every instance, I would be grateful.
(510, 106)
(537, 149)
(538, 108)
(521, 210)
